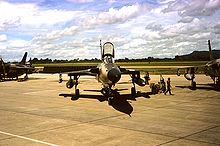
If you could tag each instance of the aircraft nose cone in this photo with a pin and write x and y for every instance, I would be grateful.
(114, 75)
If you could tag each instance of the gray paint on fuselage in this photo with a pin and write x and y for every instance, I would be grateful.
(104, 69)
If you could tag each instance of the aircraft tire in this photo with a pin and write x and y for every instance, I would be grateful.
(193, 85)
(76, 95)
(110, 100)
(104, 92)
(77, 92)
(217, 85)
(74, 98)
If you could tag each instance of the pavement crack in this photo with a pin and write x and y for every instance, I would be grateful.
(184, 137)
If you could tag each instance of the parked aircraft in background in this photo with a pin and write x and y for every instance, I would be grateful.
(108, 73)
(14, 70)
(211, 68)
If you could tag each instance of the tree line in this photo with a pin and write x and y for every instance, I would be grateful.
(194, 56)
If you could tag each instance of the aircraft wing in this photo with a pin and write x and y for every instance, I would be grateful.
(24, 67)
(91, 72)
(190, 69)
(135, 75)
(128, 71)
(53, 69)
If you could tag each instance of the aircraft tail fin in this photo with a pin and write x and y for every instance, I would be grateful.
(29, 62)
(23, 61)
(1, 60)
(210, 50)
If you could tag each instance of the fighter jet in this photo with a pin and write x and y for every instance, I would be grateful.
(14, 70)
(107, 73)
(211, 68)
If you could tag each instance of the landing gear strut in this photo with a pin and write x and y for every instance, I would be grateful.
(133, 92)
(133, 89)
(26, 76)
(193, 85)
(110, 100)
(76, 96)
(109, 93)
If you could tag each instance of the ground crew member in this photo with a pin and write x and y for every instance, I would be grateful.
(147, 78)
(60, 78)
(162, 83)
(168, 87)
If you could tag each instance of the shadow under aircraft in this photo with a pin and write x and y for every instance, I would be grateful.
(14, 70)
(120, 103)
(211, 68)
(107, 73)
(206, 87)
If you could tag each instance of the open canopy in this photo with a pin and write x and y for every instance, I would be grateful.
(108, 50)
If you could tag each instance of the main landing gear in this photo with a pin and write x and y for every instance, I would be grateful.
(133, 89)
(110, 94)
(71, 83)
(193, 85)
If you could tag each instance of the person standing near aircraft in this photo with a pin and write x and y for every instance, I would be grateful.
(162, 83)
(168, 87)
(147, 78)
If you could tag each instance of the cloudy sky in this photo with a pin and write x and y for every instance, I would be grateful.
(69, 29)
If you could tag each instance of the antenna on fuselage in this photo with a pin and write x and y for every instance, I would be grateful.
(210, 51)
(101, 49)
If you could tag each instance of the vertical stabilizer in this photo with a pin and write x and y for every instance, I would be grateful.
(2, 66)
(23, 61)
(210, 51)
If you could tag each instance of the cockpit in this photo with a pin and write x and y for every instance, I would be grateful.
(108, 52)
(108, 59)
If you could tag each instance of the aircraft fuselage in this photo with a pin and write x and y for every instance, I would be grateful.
(12, 71)
(212, 68)
(109, 74)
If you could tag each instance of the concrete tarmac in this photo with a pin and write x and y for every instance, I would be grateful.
(33, 114)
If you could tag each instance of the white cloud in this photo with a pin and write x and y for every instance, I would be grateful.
(217, 29)
(137, 30)
(112, 16)
(80, 1)
(31, 15)
(193, 8)
(186, 19)
(17, 44)
(154, 26)
(3, 38)
(117, 15)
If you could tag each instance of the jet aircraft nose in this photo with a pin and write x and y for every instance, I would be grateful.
(114, 75)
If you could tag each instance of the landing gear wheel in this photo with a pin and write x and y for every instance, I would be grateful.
(110, 100)
(76, 95)
(103, 91)
(217, 85)
(133, 92)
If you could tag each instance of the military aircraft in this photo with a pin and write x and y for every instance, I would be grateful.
(14, 70)
(211, 68)
(108, 73)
